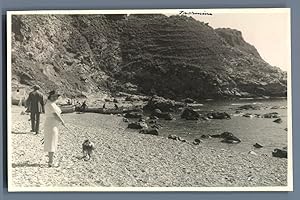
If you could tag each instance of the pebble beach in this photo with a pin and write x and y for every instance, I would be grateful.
(125, 158)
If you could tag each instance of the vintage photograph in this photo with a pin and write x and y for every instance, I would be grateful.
(149, 100)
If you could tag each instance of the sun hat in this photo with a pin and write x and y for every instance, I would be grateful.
(53, 93)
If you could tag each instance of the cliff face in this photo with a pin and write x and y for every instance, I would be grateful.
(174, 57)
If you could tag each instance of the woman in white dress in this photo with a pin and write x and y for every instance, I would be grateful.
(53, 119)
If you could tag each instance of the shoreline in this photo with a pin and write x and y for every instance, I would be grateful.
(129, 159)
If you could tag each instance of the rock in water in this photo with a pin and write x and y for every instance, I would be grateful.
(271, 115)
(229, 138)
(218, 115)
(257, 145)
(190, 114)
(278, 121)
(280, 153)
(249, 107)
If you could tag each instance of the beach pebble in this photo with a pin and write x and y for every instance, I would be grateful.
(278, 121)
(257, 145)
(252, 153)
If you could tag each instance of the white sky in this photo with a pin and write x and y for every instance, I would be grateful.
(268, 32)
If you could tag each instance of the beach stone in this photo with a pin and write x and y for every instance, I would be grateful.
(172, 137)
(197, 141)
(190, 114)
(218, 115)
(181, 139)
(271, 115)
(138, 125)
(133, 115)
(279, 153)
(229, 138)
(252, 153)
(278, 121)
(205, 136)
(257, 145)
(149, 131)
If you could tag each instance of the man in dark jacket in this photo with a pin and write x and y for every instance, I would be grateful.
(35, 105)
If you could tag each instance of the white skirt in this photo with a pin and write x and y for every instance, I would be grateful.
(50, 134)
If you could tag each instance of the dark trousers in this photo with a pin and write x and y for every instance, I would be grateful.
(35, 122)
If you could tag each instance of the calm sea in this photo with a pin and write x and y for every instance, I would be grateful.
(250, 130)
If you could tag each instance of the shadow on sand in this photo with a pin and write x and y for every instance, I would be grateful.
(18, 132)
(27, 164)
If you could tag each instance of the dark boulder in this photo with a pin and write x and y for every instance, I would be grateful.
(229, 138)
(138, 125)
(133, 115)
(218, 115)
(125, 120)
(149, 131)
(279, 153)
(278, 121)
(156, 102)
(257, 145)
(271, 115)
(190, 114)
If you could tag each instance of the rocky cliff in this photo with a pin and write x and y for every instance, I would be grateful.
(174, 57)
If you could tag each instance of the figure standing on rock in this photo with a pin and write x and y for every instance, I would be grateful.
(35, 105)
(53, 118)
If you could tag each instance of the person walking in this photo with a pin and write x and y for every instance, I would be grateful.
(52, 121)
(35, 105)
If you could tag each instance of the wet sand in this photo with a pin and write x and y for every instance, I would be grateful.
(129, 159)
